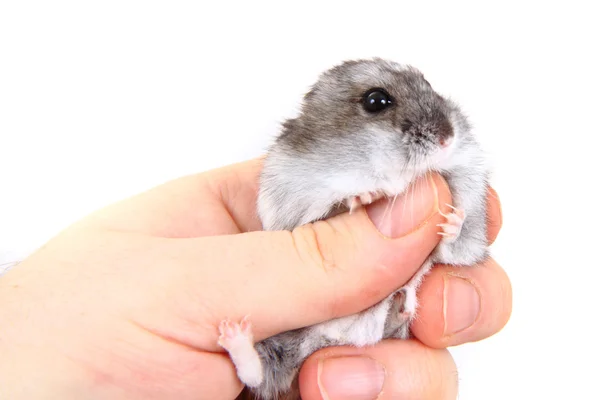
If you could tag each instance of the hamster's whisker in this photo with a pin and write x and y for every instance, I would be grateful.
(412, 200)
(406, 195)
(385, 212)
(422, 190)
(404, 205)
(390, 206)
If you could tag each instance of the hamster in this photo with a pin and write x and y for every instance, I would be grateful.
(366, 129)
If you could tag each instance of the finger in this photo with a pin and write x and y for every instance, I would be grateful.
(317, 272)
(494, 215)
(392, 369)
(462, 304)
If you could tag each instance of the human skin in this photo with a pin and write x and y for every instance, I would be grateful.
(125, 303)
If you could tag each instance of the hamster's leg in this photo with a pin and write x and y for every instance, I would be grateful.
(398, 319)
(404, 305)
(237, 339)
(404, 308)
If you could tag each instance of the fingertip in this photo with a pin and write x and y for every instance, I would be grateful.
(429, 324)
(460, 305)
(494, 215)
(391, 369)
(309, 380)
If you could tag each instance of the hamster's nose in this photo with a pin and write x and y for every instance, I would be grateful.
(446, 141)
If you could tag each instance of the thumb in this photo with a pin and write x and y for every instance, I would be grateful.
(286, 280)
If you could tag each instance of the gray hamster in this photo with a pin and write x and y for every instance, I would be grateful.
(366, 129)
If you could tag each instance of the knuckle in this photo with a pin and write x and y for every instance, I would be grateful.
(329, 253)
(322, 249)
(313, 244)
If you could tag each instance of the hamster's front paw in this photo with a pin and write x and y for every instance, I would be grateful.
(454, 222)
(362, 199)
(237, 340)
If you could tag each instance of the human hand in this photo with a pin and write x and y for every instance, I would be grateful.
(125, 303)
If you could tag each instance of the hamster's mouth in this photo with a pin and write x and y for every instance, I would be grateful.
(431, 156)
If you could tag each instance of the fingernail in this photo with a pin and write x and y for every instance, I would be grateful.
(352, 378)
(399, 217)
(461, 304)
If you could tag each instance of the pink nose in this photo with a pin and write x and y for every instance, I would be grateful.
(445, 142)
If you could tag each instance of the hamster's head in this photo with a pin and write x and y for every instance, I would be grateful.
(367, 104)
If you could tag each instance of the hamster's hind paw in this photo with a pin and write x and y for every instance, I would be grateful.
(454, 222)
(355, 202)
(408, 308)
(237, 339)
(402, 313)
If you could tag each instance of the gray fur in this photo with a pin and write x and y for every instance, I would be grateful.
(334, 150)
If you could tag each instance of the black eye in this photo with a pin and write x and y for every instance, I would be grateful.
(376, 100)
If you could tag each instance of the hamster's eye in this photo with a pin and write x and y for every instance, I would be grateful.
(376, 100)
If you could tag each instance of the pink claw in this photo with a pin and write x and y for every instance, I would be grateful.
(454, 222)
(366, 198)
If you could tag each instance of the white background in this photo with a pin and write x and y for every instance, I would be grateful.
(100, 100)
